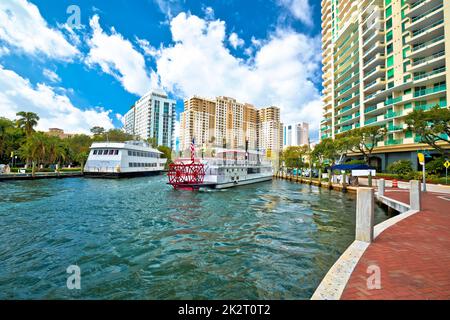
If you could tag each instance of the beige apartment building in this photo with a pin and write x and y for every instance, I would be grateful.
(225, 122)
(382, 59)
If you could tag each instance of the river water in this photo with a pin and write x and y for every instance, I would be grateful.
(139, 239)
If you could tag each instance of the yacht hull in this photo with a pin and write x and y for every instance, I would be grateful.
(120, 175)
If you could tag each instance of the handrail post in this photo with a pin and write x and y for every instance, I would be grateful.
(415, 195)
(365, 214)
(381, 187)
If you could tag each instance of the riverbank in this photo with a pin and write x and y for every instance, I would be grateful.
(315, 182)
(411, 252)
(40, 175)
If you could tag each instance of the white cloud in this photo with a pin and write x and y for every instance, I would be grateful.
(169, 7)
(121, 118)
(116, 56)
(280, 73)
(235, 41)
(51, 75)
(54, 109)
(4, 51)
(300, 9)
(23, 27)
(147, 48)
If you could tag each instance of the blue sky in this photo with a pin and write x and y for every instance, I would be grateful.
(264, 52)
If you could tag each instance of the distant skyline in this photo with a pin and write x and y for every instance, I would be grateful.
(75, 76)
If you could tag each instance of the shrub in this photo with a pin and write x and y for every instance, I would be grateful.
(403, 168)
(436, 166)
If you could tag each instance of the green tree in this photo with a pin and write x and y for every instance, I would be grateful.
(27, 121)
(153, 142)
(11, 139)
(293, 156)
(57, 151)
(167, 154)
(35, 149)
(364, 140)
(97, 131)
(433, 127)
(79, 147)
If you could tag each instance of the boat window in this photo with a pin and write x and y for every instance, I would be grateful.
(116, 152)
(95, 152)
(129, 153)
(111, 152)
(134, 153)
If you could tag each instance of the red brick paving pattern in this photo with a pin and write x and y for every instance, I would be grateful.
(413, 255)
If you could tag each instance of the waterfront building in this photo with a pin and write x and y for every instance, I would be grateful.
(152, 117)
(270, 132)
(225, 122)
(382, 59)
(56, 132)
(296, 135)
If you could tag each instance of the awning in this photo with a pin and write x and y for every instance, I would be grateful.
(352, 167)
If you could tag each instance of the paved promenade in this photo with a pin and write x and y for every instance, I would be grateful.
(413, 255)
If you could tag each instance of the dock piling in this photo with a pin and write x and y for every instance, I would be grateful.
(415, 195)
(365, 214)
(381, 187)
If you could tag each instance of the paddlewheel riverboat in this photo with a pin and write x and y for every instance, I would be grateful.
(228, 168)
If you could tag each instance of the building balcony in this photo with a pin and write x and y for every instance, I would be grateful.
(377, 47)
(430, 91)
(430, 31)
(393, 101)
(375, 85)
(434, 76)
(352, 77)
(378, 59)
(393, 142)
(422, 64)
(428, 48)
(421, 12)
(394, 128)
(347, 90)
(370, 42)
(393, 114)
(351, 68)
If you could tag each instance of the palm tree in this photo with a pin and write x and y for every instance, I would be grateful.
(56, 150)
(35, 149)
(27, 121)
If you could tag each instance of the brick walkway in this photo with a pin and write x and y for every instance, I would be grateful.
(413, 255)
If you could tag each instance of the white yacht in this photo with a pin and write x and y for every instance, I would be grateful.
(125, 159)
(229, 168)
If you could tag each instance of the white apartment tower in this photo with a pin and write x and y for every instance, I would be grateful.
(153, 116)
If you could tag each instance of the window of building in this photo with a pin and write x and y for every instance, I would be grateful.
(389, 48)
(405, 52)
(389, 24)
(388, 11)
(405, 65)
(408, 134)
(390, 73)
(390, 61)
(389, 36)
(387, 2)
(407, 106)
(407, 91)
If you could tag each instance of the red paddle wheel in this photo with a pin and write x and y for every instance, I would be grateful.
(186, 176)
